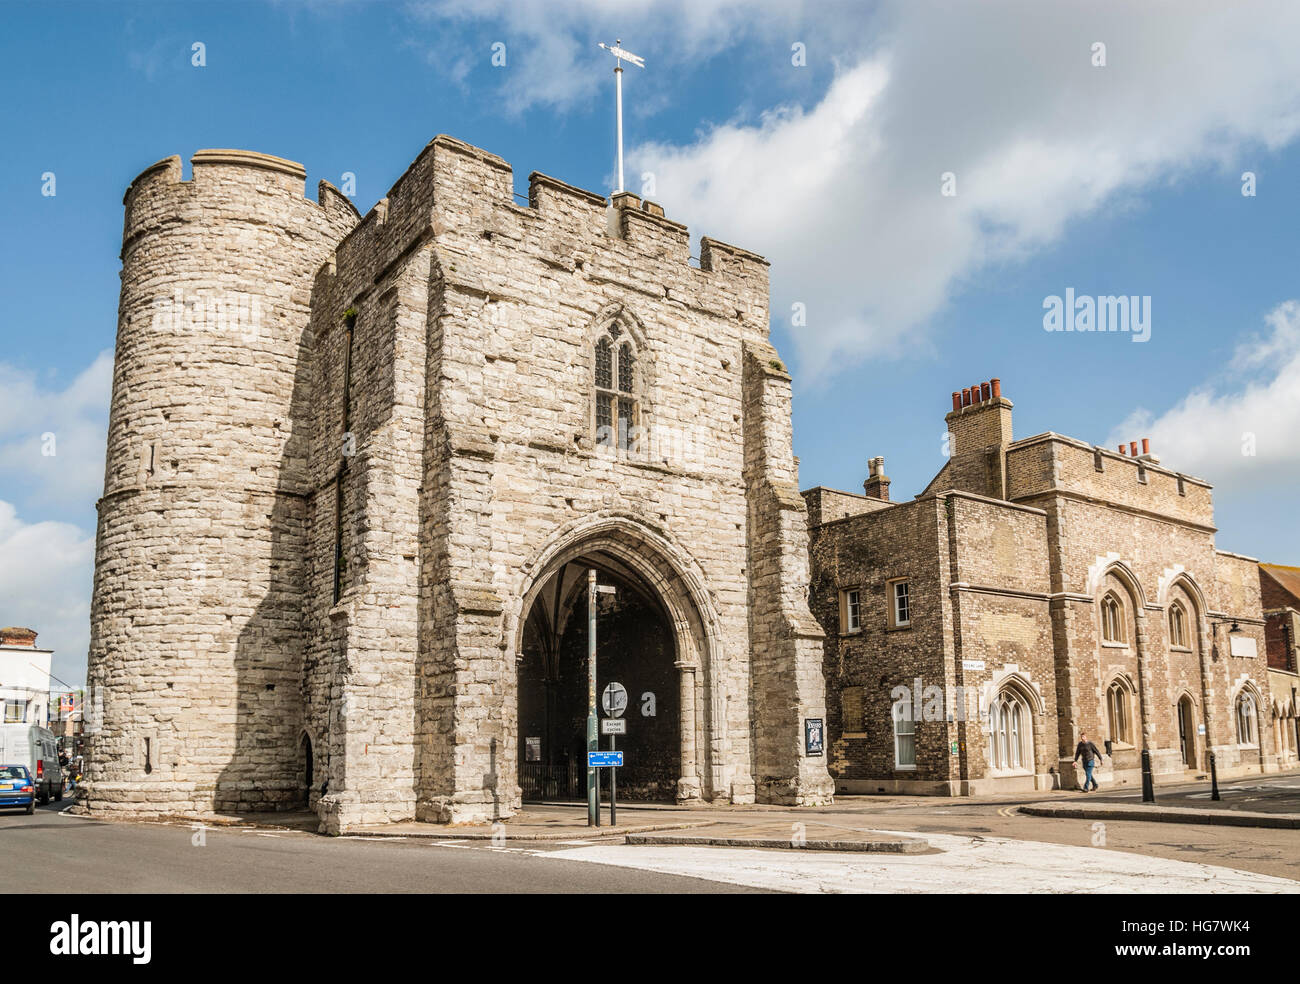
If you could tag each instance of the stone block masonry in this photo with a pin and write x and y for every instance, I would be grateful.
(324, 533)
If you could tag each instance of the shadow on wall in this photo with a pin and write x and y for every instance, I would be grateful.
(268, 768)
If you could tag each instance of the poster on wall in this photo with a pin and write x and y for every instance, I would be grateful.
(813, 736)
(532, 749)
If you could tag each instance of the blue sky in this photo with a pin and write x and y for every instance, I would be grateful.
(1117, 178)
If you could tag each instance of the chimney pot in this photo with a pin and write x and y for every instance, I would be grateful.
(985, 392)
(877, 485)
(1121, 449)
(1133, 448)
(1146, 445)
(975, 394)
(965, 397)
(996, 384)
(956, 400)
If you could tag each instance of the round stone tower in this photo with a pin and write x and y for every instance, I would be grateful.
(196, 648)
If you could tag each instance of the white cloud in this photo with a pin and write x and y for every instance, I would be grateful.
(45, 584)
(551, 47)
(77, 418)
(844, 196)
(1256, 405)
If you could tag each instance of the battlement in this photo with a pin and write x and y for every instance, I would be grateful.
(453, 188)
(236, 181)
(1053, 463)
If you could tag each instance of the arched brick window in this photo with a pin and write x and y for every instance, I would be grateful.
(1177, 626)
(1010, 733)
(1247, 719)
(1119, 712)
(1112, 618)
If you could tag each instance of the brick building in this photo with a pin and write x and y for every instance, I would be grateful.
(1036, 589)
(359, 467)
(1280, 594)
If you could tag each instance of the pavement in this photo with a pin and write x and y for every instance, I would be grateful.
(980, 845)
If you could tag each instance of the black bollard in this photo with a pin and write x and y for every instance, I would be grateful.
(1148, 790)
(1214, 779)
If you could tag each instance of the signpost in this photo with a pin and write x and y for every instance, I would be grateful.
(593, 743)
(614, 701)
(593, 805)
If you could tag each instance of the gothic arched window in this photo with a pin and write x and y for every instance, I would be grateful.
(1119, 712)
(615, 380)
(1010, 733)
(1177, 626)
(1112, 618)
(1247, 719)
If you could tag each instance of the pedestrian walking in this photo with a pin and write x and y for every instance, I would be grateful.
(1087, 751)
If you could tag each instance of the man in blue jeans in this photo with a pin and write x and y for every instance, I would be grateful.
(1091, 757)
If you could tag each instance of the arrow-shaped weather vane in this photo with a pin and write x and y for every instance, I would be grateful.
(621, 56)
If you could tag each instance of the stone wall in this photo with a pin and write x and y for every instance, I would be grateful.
(1009, 596)
(196, 625)
(325, 536)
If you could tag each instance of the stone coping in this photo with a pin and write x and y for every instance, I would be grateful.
(738, 835)
(1155, 813)
(512, 831)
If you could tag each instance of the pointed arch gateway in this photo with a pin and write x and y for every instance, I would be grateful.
(658, 633)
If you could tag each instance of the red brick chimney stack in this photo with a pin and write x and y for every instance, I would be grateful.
(980, 429)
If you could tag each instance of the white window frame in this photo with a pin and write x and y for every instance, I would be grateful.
(851, 611)
(894, 619)
(901, 714)
(1010, 728)
(17, 704)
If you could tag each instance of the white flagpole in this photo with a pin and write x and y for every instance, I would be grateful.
(618, 97)
(619, 57)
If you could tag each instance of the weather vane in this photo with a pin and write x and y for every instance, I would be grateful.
(621, 56)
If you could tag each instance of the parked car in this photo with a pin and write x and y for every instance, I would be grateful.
(17, 788)
(37, 749)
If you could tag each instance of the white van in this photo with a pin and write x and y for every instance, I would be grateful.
(38, 749)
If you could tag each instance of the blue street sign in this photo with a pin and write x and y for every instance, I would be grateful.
(604, 760)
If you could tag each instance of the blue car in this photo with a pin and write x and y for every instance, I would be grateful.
(17, 788)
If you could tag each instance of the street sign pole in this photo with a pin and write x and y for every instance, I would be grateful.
(613, 789)
(593, 806)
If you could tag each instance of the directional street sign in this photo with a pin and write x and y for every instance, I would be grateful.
(613, 726)
(614, 700)
(604, 760)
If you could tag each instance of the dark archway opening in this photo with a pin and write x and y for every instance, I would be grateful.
(635, 647)
(307, 770)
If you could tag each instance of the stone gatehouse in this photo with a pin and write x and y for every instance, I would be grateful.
(359, 467)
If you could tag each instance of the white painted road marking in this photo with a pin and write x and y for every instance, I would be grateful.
(968, 865)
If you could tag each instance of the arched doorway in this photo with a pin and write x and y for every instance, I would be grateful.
(636, 647)
(1187, 731)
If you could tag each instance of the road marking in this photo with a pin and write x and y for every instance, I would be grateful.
(967, 865)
